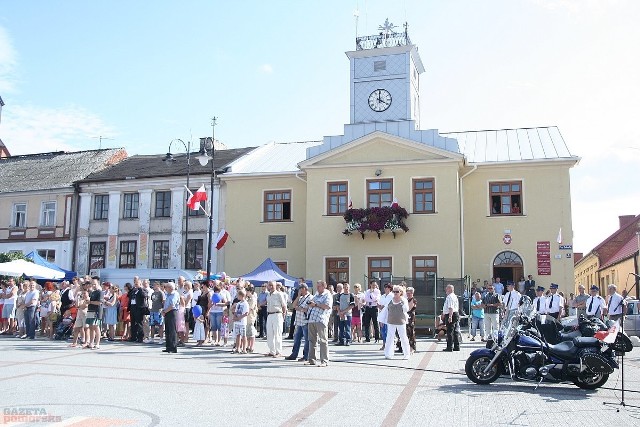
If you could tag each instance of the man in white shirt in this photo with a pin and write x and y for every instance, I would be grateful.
(540, 301)
(31, 300)
(450, 313)
(510, 301)
(615, 302)
(370, 315)
(498, 286)
(595, 304)
(555, 302)
(385, 299)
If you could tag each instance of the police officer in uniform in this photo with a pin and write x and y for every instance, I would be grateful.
(540, 301)
(555, 303)
(616, 305)
(595, 304)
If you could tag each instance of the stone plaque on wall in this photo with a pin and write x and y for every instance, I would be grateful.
(277, 241)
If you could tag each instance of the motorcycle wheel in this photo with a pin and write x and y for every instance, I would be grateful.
(591, 381)
(474, 368)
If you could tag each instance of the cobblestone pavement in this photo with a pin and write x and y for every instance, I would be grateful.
(138, 385)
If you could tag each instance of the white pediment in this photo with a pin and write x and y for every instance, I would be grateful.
(379, 147)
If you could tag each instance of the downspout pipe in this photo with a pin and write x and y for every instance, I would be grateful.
(74, 243)
(462, 260)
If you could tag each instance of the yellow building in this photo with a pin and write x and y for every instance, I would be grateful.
(614, 260)
(479, 204)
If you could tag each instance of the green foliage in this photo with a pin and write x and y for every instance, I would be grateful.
(12, 256)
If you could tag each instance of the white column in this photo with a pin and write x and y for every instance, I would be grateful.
(82, 248)
(112, 228)
(144, 218)
(176, 248)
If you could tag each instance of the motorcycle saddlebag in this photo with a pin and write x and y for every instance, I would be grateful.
(595, 362)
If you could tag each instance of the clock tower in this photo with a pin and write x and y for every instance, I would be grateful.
(385, 78)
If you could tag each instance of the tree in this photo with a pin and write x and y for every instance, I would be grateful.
(12, 256)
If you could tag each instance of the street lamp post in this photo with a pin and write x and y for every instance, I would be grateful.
(204, 158)
(169, 160)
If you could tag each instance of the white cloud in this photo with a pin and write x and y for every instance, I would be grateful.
(266, 68)
(31, 129)
(8, 63)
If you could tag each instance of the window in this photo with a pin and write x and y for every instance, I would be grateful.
(336, 198)
(380, 269)
(19, 215)
(97, 251)
(194, 254)
(337, 270)
(424, 274)
(423, 196)
(506, 198)
(101, 206)
(379, 65)
(48, 214)
(379, 193)
(48, 254)
(128, 254)
(131, 203)
(277, 206)
(163, 204)
(282, 265)
(161, 254)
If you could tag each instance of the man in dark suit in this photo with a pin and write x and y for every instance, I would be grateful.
(137, 303)
(530, 287)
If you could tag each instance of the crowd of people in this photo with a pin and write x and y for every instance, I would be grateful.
(218, 313)
(235, 313)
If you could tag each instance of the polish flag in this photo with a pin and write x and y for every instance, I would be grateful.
(559, 238)
(194, 199)
(350, 203)
(221, 239)
(395, 203)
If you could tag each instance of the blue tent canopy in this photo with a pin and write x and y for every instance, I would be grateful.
(37, 259)
(267, 271)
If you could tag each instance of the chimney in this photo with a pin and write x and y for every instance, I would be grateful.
(577, 256)
(625, 220)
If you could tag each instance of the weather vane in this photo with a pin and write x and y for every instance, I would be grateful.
(387, 27)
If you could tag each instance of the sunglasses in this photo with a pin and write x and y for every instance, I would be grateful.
(396, 292)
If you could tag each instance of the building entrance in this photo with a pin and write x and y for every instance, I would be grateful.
(508, 266)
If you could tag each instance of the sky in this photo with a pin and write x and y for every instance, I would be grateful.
(140, 74)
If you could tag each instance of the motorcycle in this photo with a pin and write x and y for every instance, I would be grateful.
(521, 352)
(555, 332)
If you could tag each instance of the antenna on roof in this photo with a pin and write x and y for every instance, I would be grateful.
(100, 138)
(356, 14)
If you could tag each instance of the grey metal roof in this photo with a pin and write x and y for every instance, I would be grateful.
(152, 166)
(504, 145)
(59, 169)
(273, 157)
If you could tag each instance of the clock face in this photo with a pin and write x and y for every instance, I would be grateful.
(379, 100)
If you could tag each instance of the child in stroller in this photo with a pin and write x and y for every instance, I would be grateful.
(65, 328)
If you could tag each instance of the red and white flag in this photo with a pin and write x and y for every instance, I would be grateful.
(395, 203)
(221, 239)
(350, 203)
(195, 198)
(559, 238)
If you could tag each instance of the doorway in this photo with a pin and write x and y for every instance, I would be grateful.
(508, 266)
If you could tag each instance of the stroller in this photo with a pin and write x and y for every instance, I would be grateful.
(64, 329)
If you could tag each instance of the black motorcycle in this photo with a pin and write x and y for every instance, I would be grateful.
(521, 352)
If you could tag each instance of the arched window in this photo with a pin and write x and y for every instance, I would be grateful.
(507, 258)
